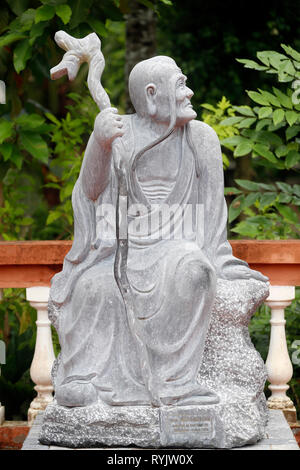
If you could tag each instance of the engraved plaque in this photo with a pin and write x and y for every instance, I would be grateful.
(193, 426)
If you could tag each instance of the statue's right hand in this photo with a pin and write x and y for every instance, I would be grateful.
(108, 126)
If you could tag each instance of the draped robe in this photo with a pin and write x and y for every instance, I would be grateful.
(172, 273)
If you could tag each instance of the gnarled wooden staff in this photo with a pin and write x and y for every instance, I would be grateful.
(78, 51)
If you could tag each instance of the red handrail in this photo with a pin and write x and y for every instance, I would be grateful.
(33, 263)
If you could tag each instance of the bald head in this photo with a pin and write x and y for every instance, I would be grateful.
(157, 71)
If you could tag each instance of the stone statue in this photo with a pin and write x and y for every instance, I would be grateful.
(151, 307)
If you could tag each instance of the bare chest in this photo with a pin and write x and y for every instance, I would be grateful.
(160, 164)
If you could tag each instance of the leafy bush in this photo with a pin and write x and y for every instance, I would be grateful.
(25, 152)
(269, 134)
(17, 330)
(213, 116)
(269, 217)
(69, 136)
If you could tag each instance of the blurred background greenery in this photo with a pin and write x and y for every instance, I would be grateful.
(45, 125)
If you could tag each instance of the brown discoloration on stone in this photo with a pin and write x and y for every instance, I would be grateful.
(296, 431)
(290, 415)
(13, 434)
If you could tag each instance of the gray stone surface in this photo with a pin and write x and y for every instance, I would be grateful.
(231, 367)
(32, 440)
(278, 436)
(151, 307)
(226, 425)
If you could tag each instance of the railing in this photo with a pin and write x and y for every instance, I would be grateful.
(32, 264)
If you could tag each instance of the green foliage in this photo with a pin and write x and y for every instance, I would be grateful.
(213, 115)
(26, 29)
(29, 140)
(20, 315)
(40, 135)
(69, 136)
(270, 136)
(22, 137)
(204, 39)
(24, 146)
(31, 26)
(17, 329)
(114, 52)
(265, 205)
(28, 50)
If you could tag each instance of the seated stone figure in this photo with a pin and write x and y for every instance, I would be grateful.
(151, 355)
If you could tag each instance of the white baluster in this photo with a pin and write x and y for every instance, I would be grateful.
(40, 370)
(278, 363)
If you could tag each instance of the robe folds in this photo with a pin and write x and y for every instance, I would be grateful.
(173, 264)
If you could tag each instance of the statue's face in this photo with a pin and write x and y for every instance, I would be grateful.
(183, 95)
(171, 81)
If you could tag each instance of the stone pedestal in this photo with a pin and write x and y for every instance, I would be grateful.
(278, 436)
(231, 367)
(212, 426)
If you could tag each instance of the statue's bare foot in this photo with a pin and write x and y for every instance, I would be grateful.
(76, 393)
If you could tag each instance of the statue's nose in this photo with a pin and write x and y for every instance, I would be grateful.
(189, 93)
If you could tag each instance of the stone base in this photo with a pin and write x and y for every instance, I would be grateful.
(2, 414)
(296, 431)
(231, 367)
(224, 425)
(290, 415)
(286, 406)
(278, 437)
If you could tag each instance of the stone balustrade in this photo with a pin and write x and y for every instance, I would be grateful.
(40, 370)
(32, 265)
(278, 363)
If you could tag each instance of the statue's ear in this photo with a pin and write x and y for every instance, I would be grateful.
(150, 91)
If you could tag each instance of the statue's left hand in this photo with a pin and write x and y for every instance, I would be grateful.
(243, 272)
